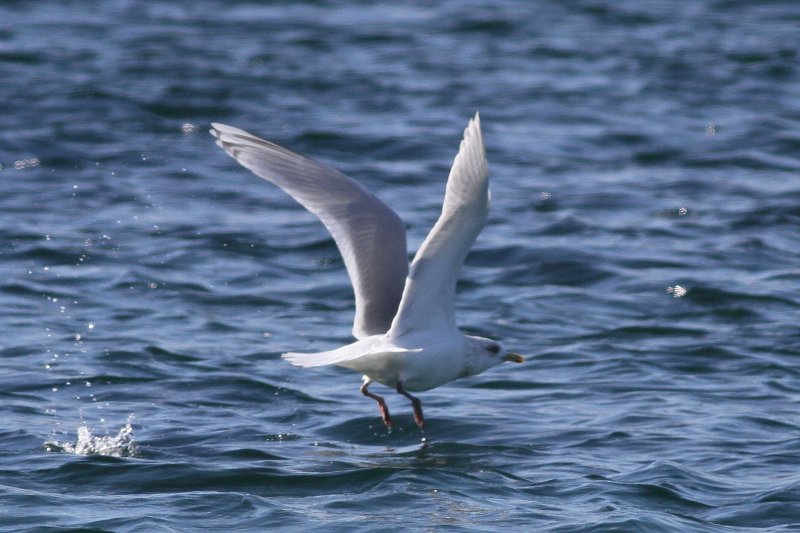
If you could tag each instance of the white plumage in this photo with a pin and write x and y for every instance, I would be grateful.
(405, 319)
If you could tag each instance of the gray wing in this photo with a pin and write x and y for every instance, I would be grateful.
(428, 298)
(370, 236)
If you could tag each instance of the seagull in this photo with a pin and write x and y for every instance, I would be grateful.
(405, 327)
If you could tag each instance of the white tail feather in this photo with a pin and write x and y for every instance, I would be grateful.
(369, 346)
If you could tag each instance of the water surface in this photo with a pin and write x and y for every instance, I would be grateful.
(642, 250)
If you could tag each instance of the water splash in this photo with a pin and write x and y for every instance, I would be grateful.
(677, 291)
(26, 163)
(119, 445)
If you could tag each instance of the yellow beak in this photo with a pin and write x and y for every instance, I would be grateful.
(514, 358)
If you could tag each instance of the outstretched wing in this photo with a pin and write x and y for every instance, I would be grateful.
(429, 292)
(370, 236)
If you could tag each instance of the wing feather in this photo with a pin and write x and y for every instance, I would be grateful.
(429, 293)
(370, 236)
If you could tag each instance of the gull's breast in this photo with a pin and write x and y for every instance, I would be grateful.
(425, 370)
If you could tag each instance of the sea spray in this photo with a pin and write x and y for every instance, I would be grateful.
(119, 445)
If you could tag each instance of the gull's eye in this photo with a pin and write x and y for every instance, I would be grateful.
(494, 349)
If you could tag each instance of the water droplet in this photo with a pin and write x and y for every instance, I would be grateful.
(119, 445)
(677, 291)
(26, 163)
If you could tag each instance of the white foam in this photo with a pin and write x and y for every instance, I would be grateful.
(119, 445)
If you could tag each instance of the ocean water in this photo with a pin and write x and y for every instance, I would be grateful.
(643, 251)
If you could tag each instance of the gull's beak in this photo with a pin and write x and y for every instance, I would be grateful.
(514, 358)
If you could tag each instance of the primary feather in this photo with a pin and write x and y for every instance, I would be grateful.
(369, 235)
(429, 293)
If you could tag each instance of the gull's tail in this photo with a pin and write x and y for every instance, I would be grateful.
(368, 347)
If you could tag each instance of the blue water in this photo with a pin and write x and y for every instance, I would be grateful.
(643, 250)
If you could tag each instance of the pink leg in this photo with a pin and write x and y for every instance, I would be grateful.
(418, 418)
(381, 404)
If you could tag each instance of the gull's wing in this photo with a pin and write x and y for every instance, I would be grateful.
(370, 236)
(430, 288)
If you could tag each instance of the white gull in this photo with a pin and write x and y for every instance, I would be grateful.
(405, 319)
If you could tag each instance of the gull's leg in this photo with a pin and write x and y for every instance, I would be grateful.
(418, 418)
(381, 402)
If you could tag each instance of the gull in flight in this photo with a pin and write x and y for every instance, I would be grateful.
(405, 326)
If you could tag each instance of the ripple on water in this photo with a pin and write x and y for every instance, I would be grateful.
(633, 147)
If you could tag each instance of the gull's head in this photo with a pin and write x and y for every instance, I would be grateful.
(484, 353)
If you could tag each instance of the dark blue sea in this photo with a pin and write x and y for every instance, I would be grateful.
(643, 251)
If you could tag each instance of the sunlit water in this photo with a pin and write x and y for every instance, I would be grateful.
(642, 250)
